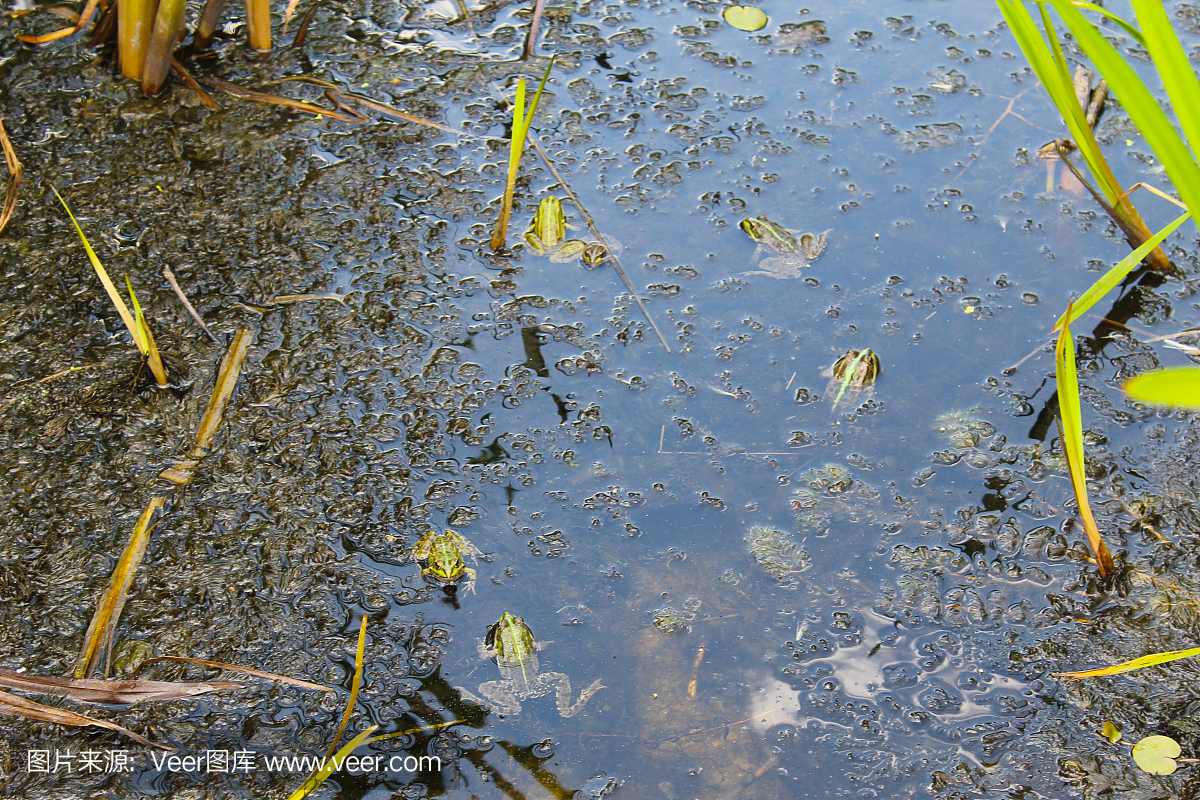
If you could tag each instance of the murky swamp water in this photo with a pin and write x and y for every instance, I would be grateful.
(781, 599)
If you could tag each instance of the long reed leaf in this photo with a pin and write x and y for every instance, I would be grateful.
(1133, 32)
(109, 286)
(1046, 58)
(355, 685)
(20, 707)
(125, 692)
(1179, 387)
(1117, 274)
(1142, 106)
(108, 609)
(227, 377)
(331, 765)
(1173, 66)
(1129, 666)
(1072, 444)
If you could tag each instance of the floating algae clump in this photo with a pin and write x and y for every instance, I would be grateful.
(963, 431)
(777, 553)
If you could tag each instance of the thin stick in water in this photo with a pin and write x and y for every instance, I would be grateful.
(596, 232)
(170, 276)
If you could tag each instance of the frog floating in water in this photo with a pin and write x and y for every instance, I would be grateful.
(790, 254)
(441, 558)
(510, 644)
(546, 235)
(852, 377)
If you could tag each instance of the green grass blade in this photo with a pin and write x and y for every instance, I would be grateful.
(516, 142)
(140, 331)
(146, 339)
(1173, 66)
(109, 286)
(537, 96)
(1067, 380)
(520, 128)
(1050, 66)
(1142, 106)
(1179, 387)
(1117, 274)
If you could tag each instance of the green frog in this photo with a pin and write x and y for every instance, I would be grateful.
(852, 377)
(510, 644)
(789, 254)
(545, 235)
(441, 558)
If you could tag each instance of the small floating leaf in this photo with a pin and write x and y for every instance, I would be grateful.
(1157, 754)
(745, 18)
(1168, 387)
(1111, 732)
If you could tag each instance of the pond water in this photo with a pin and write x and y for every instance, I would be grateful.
(781, 598)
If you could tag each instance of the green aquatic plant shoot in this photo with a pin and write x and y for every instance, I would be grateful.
(1072, 444)
(136, 326)
(1117, 274)
(1044, 53)
(520, 128)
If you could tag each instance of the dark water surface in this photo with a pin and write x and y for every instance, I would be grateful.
(780, 598)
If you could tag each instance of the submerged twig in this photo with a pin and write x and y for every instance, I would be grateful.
(122, 692)
(170, 276)
(205, 98)
(84, 18)
(534, 23)
(596, 232)
(274, 99)
(258, 673)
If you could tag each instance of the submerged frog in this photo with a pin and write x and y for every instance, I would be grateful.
(441, 557)
(510, 644)
(790, 254)
(852, 377)
(545, 235)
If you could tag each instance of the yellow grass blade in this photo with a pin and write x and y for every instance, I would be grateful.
(1072, 441)
(354, 685)
(108, 610)
(331, 765)
(146, 339)
(109, 286)
(1130, 666)
(227, 377)
(14, 178)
